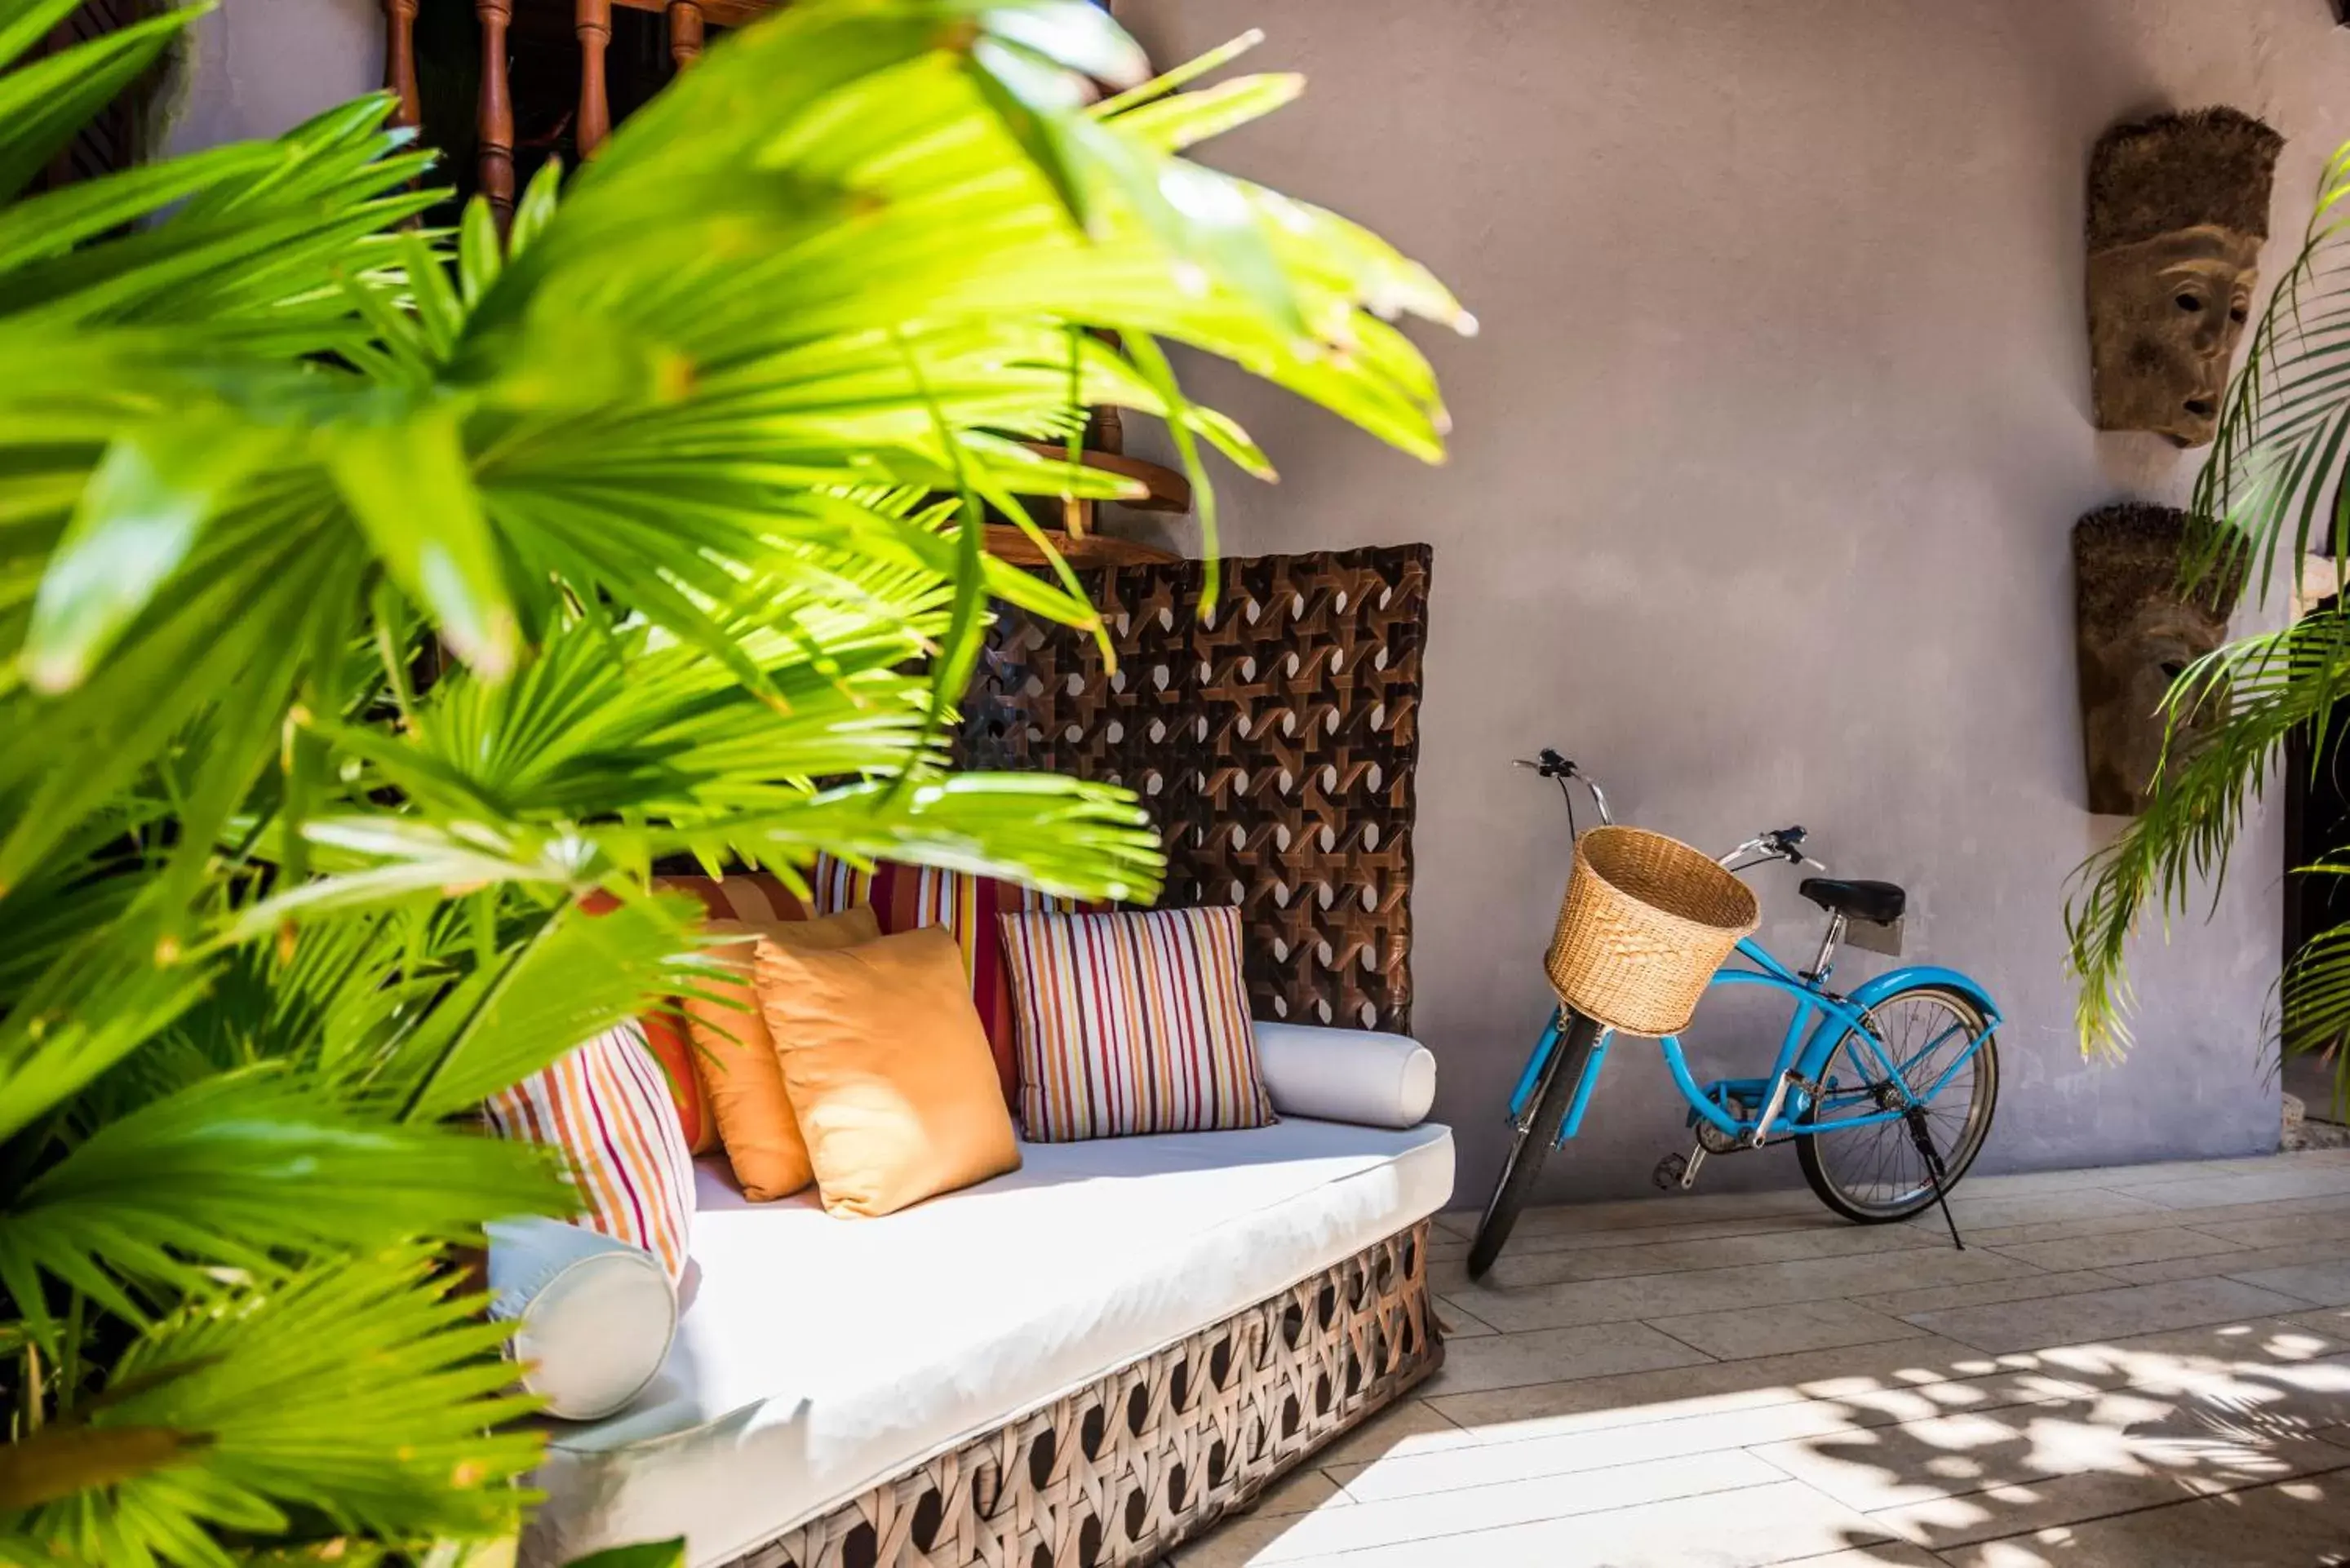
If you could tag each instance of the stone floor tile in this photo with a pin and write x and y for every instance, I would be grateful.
(2128, 1247)
(1781, 1522)
(1305, 1491)
(2048, 1504)
(1747, 1332)
(2323, 1285)
(1408, 1426)
(2235, 1264)
(2179, 1444)
(1527, 1458)
(2129, 1177)
(2085, 1368)
(2099, 1314)
(2231, 1220)
(1989, 1292)
(1677, 1255)
(2299, 1523)
(1974, 1213)
(1458, 1321)
(2174, 1359)
(2279, 1230)
(1552, 1355)
(1462, 1515)
(2293, 1180)
(1513, 1309)
(1866, 1376)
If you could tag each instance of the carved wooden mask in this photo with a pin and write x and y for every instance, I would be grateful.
(2135, 632)
(2178, 205)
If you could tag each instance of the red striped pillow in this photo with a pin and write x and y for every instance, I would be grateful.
(1132, 1023)
(606, 1108)
(906, 897)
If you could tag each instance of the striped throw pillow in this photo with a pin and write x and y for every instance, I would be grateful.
(908, 898)
(606, 1108)
(1132, 1023)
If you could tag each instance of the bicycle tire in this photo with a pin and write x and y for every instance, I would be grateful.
(1569, 1060)
(1956, 1160)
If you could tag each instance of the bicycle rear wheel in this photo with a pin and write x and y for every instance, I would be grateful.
(1875, 1175)
(1569, 1059)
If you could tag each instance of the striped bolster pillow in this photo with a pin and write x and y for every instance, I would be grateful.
(1132, 1023)
(606, 1108)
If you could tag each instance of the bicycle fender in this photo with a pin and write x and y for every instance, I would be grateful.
(1911, 976)
(1894, 981)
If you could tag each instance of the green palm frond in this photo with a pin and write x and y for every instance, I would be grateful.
(363, 1393)
(241, 1168)
(2263, 689)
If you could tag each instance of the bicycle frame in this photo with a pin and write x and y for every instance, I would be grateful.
(1821, 1021)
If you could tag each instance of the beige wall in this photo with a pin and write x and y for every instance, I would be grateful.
(1761, 489)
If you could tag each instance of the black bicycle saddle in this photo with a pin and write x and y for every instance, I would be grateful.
(1879, 901)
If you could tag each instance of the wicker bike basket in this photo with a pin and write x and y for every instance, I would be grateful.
(1645, 922)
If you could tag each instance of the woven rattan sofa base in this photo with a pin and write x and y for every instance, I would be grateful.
(1146, 1458)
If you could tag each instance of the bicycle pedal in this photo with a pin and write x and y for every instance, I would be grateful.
(1671, 1173)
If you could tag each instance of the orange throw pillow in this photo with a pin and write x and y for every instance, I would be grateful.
(736, 1060)
(665, 1034)
(887, 1066)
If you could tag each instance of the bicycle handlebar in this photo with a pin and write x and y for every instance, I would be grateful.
(1551, 765)
(1778, 843)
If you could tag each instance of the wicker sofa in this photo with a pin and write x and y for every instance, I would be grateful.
(1085, 1361)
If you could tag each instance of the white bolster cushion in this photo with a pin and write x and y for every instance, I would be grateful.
(593, 1316)
(1346, 1074)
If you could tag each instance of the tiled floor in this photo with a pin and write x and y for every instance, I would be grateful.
(2126, 1367)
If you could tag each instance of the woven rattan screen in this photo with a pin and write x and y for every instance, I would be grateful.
(1274, 740)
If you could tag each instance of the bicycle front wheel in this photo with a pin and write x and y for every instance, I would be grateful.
(1570, 1058)
(1877, 1174)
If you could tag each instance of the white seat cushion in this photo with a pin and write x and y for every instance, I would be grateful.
(818, 1357)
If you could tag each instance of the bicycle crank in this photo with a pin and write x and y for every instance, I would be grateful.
(1678, 1172)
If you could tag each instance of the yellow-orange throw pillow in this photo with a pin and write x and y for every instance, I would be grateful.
(889, 1068)
(736, 1061)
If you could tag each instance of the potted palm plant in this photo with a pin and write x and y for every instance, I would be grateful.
(2271, 490)
(367, 595)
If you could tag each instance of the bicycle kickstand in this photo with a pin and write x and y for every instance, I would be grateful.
(1914, 1116)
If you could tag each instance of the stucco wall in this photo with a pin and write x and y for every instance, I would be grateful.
(261, 65)
(1760, 488)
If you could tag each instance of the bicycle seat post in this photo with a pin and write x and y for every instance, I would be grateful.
(1818, 973)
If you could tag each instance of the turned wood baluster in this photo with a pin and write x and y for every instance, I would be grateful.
(496, 117)
(592, 20)
(684, 33)
(399, 61)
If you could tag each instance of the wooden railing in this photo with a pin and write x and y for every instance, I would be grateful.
(591, 23)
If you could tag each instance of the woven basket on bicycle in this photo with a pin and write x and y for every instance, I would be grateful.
(1646, 922)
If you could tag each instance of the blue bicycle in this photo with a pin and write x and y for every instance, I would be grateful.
(1887, 1092)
